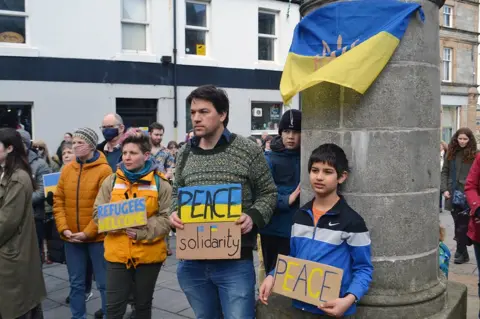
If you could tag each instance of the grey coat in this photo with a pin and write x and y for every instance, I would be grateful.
(39, 168)
(22, 284)
(461, 174)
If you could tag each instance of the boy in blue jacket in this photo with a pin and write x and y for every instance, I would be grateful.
(328, 231)
(284, 163)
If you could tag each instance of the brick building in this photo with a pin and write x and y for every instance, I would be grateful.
(459, 58)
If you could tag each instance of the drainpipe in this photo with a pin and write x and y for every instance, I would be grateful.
(174, 75)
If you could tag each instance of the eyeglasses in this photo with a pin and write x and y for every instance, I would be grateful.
(109, 126)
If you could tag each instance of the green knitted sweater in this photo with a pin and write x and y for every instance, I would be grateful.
(238, 162)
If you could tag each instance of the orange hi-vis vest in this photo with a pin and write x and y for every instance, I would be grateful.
(119, 248)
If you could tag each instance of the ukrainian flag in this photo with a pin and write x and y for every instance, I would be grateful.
(346, 43)
(50, 182)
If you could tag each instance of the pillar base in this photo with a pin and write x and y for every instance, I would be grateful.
(454, 298)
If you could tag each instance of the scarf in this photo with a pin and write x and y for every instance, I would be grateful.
(135, 176)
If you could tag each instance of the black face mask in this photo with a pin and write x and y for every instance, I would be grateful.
(110, 133)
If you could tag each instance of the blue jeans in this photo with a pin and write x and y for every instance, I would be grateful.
(77, 258)
(219, 287)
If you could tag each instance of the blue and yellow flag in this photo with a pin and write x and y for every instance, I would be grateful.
(346, 43)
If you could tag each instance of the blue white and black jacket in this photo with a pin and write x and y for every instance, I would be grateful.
(340, 239)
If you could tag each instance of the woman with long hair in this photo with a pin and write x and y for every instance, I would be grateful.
(460, 156)
(22, 285)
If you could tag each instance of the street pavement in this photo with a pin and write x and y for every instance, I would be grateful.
(170, 303)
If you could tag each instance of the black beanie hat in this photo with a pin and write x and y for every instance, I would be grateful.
(291, 120)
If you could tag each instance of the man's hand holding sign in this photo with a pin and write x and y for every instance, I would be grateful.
(210, 222)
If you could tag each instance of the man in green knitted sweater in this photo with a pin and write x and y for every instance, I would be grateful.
(222, 288)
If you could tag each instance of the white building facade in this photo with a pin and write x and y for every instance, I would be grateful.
(65, 64)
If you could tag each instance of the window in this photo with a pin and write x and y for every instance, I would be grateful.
(266, 36)
(196, 28)
(12, 21)
(137, 112)
(447, 16)
(16, 115)
(266, 116)
(134, 25)
(447, 64)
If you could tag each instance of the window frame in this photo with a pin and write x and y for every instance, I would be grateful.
(205, 29)
(446, 14)
(448, 78)
(270, 132)
(146, 23)
(20, 14)
(268, 36)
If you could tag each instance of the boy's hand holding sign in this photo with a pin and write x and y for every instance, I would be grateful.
(307, 281)
(208, 216)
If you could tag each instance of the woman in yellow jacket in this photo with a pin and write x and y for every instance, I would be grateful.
(135, 254)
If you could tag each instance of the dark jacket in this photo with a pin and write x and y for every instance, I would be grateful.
(39, 168)
(461, 173)
(285, 168)
(113, 158)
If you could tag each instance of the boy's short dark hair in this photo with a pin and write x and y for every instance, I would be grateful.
(155, 126)
(332, 155)
(214, 95)
(142, 140)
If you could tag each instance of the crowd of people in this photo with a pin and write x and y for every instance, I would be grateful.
(62, 226)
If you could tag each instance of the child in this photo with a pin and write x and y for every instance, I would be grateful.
(341, 238)
(443, 253)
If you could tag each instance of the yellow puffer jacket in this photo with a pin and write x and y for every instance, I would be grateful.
(149, 246)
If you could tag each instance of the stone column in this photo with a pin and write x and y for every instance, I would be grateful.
(391, 136)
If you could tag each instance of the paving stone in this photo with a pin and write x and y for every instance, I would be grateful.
(170, 300)
(187, 313)
(172, 284)
(61, 312)
(48, 304)
(54, 284)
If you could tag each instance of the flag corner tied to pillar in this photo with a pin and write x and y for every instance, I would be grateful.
(346, 43)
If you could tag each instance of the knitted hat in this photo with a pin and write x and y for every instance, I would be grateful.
(88, 135)
(26, 137)
(291, 120)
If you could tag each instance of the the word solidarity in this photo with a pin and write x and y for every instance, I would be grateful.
(120, 215)
(215, 203)
(307, 281)
(209, 241)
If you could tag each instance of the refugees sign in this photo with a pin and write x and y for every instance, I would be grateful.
(50, 182)
(121, 215)
(307, 281)
(209, 241)
(215, 203)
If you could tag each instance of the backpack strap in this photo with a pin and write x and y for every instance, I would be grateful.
(181, 165)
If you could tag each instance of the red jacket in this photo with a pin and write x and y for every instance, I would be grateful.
(472, 191)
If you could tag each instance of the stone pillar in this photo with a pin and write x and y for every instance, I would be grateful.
(391, 136)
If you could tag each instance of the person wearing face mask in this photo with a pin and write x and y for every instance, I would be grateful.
(113, 131)
(39, 168)
(76, 191)
(460, 156)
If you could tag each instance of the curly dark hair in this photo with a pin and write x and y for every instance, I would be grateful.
(469, 151)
